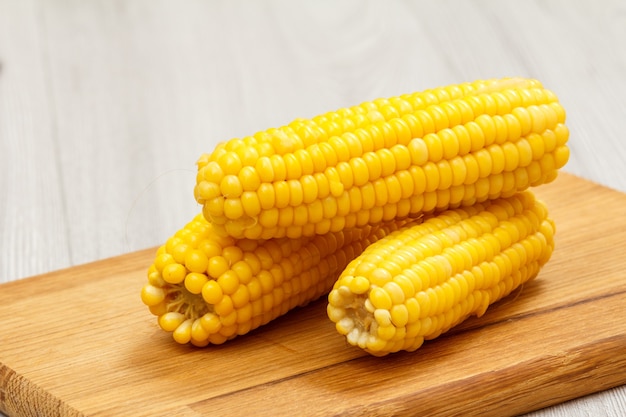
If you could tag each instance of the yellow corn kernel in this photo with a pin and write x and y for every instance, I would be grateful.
(228, 287)
(421, 280)
(152, 295)
(461, 144)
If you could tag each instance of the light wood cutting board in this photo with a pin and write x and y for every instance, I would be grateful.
(80, 342)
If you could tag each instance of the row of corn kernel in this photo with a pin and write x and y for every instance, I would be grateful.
(274, 165)
(491, 97)
(363, 165)
(406, 193)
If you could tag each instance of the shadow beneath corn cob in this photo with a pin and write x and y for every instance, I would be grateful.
(515, 306)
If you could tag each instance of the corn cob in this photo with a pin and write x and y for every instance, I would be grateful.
(207, 289)
(389, 158)
(421, 280)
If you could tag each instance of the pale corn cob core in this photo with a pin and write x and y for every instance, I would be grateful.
(421, 280)
(207, 289)
(386, 159)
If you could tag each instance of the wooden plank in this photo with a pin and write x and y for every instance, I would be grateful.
(79, 341)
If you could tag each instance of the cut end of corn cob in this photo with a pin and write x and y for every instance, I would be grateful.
(207, 288)
(389, 158)
(421, 280)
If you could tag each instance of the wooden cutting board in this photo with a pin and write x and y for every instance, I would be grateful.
(80, 342)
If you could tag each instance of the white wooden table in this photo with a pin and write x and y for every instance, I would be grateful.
(106, 105)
